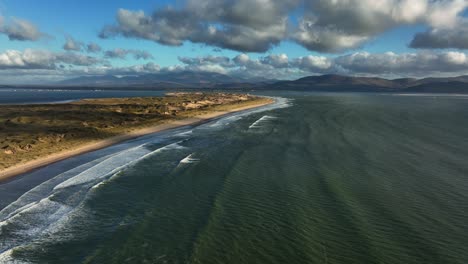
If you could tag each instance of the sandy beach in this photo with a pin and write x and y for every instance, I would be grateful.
(44, 161)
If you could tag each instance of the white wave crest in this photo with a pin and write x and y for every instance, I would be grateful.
(189, 159)
(115, 164)
(261, 120)
(47, 207)
(7, 258)
(280, 102)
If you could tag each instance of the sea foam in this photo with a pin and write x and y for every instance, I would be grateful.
(189, 159)
(264, 118)
(46, 208)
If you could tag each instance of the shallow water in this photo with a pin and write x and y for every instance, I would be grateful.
(323, 178)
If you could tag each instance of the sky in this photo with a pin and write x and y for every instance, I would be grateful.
(52, 40)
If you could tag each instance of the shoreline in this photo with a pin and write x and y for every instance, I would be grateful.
(29, 166)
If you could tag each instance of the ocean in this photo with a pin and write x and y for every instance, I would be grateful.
(314, 178)
(39, 96)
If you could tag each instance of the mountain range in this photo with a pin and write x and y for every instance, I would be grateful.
(183, 79)
(324, 83)
(339, 83)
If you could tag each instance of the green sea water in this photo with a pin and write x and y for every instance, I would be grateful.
(333, 178)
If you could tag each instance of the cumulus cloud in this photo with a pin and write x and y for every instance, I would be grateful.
(141, 54)
(334, 26)
(72, 44)
(35, 76)
(326, 39)
(314, 63)
(276, 60)
(220, 60)
(77, 59)
(242, 59)
(40, 59)
(442, 38)
(93, 48)
(273, 66)
(358, 63)
(20, 29)
(224, 24)
(447, 28)
(445, 13)
(406, 64)
(257, 25)
(146, 68)
(122, 54)
(29, 59)
(116, 53)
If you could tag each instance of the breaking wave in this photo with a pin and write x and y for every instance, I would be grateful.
(41, 210)
(47, 209)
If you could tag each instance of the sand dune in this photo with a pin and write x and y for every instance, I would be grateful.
(41, 162)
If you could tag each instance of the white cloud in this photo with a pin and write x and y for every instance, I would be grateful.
(313, 63)
(122, 54)
(442, 38)
(72, 44)
(338, 25)
(406, 64)
(20, 29)
(358, 63)
(207, 60)
(93, 47)
(32, 63)
(276, 60)
(258, 25)
(41, 59)
(242, 59)
(225, 24)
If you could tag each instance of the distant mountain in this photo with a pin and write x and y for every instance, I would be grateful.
(182, 79)
(324, 83)
(432, 80)
(335, 83)
(452, 87)
(339, 83)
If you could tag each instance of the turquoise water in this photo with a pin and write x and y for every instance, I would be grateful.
(349, 178)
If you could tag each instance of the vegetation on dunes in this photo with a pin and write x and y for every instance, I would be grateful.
(28, 132)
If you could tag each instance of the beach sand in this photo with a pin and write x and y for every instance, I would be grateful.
(44, 161)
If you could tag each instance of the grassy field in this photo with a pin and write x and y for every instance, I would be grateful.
(28, 132)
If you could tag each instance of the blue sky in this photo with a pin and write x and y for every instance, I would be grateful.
(327, 34)
(83, 20)
(84, 23)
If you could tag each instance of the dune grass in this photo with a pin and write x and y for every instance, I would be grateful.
(28, 132)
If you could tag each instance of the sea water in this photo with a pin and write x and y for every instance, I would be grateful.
(314, 178)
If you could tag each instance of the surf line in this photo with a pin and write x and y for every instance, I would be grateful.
(189, 159)
(262, 119)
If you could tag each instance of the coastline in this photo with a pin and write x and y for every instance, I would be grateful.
(19, 169)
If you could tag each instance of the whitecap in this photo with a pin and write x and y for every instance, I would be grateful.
(264, 118)
(189, 159)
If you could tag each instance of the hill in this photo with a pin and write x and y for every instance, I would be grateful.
(183, 79)
(339, 83)
(209, 80)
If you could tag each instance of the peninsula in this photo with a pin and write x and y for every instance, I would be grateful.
(32, 136)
